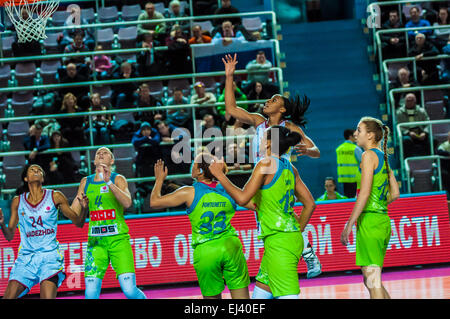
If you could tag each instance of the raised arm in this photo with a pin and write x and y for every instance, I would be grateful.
(304, 196)
(241, 196)
(8, 231)
(231, 108)
(77, 204)
(119, 188)
(184, 195)
(76, 217)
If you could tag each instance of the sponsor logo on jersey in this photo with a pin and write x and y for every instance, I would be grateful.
(48, 209)
(41, 232)
(105, 214)
(106, 230)
(104, 189)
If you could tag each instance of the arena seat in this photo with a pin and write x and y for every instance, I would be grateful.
(25, 73)
(48, 71)
(131, 12)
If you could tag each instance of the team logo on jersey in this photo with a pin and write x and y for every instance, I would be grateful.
(48, 209)
(104, 189)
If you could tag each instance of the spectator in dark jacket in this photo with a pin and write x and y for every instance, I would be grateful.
(427, 70)
(62, 168)
(72, 127)
(393, 44)
(146, 142)
(123, 92)
(75, 74)
(143, 98)
(178, 54)
(227, 8)
(36, 143)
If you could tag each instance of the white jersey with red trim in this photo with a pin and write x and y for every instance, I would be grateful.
(257, 138)
(38, 224)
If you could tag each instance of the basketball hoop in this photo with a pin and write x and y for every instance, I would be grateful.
(30, 17)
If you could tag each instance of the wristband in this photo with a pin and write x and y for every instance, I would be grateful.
(109, 183)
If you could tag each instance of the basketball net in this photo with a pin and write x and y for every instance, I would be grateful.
(30, 17)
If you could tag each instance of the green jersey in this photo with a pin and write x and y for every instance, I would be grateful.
(210, 213)
(325, 197)
(275, 202)
(377, 202)
(105, 212)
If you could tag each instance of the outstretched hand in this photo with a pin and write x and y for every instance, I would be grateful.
(160, 170)
(230, 64)
(216, 167)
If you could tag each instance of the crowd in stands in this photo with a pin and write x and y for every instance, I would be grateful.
(149, 131)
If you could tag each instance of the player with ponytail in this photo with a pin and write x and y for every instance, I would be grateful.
(278, 110)
(378, 189)
(272, 190)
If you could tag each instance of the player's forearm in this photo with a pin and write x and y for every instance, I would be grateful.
(230, 99)
(155, 197)
(7, 233)
(236, 193)
(305, 216)
(313, 152)
(123, 198)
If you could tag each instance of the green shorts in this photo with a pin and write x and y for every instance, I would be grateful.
(279, 265)
(220, 260)
(103, 250)
(372, 239)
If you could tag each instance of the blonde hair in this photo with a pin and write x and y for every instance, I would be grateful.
(381, 132)
(105, 148)
(65, 98)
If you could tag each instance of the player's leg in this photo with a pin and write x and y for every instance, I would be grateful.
(14, 290)
(122, 261)
(372, 281)
(261, 291)
(95, 265)
(235, 270)
(309, 256)
(49, 288)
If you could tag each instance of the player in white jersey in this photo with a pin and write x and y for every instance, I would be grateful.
(278, 110)
(35, 211)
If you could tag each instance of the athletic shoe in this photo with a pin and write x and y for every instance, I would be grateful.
(312, 263)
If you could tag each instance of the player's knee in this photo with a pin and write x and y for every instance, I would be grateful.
(287, 297)
(93, 288)
(128, 285)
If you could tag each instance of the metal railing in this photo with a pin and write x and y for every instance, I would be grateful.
(398, 129)
(390, 106)
(429, 157)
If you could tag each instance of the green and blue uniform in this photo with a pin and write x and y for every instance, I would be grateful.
(218, 254)
(280, 231)
(374, 226)
(108, 239)
(325, 197)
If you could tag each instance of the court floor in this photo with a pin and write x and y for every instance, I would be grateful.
(413, 283)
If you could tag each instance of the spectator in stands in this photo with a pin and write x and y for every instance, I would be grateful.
(330, 191)
(444, 150)
(150, 62)
(175, 12)
(208, 122)
(236, 159)
(415, 22)
(227, 8)
(72, 127)
(100, 123)
(393, 44)
(77, 46)
(37, 143)
(227, 35)
(179, 52)
(62, 168)
(441, 35)
(415, 139)
(403, 80)
(258, 70)
(347, 163)
(198, 36)
(146, 142)
(257, 92)
(143, 98)
(172, 158)
(445, 75)
(67, 35)
(179, 117)
(75, 74)
(102, 64)
(202, 97)
(156, 28)
(240, 96)
(427, 70)
(123, 92)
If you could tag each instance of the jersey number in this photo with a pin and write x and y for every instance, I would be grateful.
(384, 190)
(208, 226)
(38, 221)
(98, 200)
(288, 202)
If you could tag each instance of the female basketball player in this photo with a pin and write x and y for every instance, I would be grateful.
(271, 190)
(35, 210)
(218, 255)
(378, 189)
(279, 110)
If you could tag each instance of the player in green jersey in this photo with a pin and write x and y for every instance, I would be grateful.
(108, 239)
(218, 255)
(378, 189)
(271, 190)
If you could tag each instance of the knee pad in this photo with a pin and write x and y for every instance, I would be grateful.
(93, 287)
(259, 293)
(128, 284)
